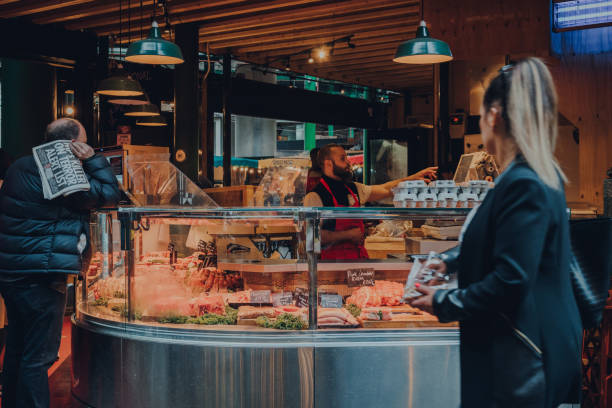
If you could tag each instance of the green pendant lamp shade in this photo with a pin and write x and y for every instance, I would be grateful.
(152, 121)
(154, 50)
(423, 49)
(120, 86)
(129, 100)
(143, 110)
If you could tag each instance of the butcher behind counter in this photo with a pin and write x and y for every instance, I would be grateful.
(343, 238)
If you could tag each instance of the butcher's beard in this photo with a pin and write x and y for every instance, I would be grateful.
(344, 173)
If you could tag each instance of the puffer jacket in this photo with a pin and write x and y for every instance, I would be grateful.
(41, 236)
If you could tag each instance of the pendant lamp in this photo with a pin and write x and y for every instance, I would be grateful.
(423, 49)
(152, 121)
(120, 86)
(154, 50)
(143, 110)
(129, 100)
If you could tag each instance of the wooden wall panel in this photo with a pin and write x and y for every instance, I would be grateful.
(477, 28)
(582, 69)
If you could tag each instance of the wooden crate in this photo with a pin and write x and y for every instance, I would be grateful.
(233, 196)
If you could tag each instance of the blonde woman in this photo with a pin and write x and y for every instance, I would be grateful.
(520, 326)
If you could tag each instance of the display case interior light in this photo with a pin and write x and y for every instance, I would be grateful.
(579, 14)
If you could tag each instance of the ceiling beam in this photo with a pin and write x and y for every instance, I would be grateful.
(318, 24)
(360, 47)
(189, 11)
(336, 9)
(83, 12)
(370, 37)
(396, 24)
(28, 7)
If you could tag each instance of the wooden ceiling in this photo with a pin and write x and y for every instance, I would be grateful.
(263, 31)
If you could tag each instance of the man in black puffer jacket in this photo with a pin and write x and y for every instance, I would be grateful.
(41, 242)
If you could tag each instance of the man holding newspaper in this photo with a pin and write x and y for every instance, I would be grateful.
(44, 229)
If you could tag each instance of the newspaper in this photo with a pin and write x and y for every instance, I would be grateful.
(61, 172)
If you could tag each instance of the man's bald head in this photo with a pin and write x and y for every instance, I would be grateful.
(65, 129)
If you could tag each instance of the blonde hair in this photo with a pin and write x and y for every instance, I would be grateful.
(530, 103)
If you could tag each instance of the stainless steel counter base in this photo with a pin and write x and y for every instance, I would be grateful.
(126, 365)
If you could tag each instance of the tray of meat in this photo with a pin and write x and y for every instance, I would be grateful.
(335, 318)
(383, 293)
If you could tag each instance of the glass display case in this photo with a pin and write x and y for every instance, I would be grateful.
(259, 308)
(257, 269)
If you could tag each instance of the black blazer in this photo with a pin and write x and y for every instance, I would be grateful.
(41, 236)
(520, 330)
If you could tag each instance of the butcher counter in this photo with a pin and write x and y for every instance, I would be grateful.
(222, 307)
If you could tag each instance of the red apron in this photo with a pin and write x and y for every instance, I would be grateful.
(346, 249)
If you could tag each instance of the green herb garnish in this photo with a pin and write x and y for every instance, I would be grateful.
(285, 321)
(353, 309)
(101, 301)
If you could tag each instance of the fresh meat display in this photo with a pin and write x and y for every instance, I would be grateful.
(335, 317)
(300, 312)
(109, 287)
(383, 293)
(376, 313)
(252, 312)
(244, 296)
(185, 288)
(206, 304)
(169, 306)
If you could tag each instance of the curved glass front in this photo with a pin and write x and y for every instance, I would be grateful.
(264, 269)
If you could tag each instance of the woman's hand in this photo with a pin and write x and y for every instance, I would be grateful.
(437, 265)
(424, 302)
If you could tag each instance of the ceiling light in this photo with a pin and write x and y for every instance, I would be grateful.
(152, 121)
(120, 86)
(154, 50)
(143, 110)
(423, 49)
(321, 53)
(129, 100)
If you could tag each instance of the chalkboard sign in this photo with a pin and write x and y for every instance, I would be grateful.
(282, 299)
(328, 300)
(360, 277)
(201, 246)
(301, 297)
(260, 296)
(173, 253)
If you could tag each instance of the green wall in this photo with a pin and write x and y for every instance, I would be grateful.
(28, 95)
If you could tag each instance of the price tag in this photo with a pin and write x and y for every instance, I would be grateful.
(301, 297)
(201, 246)
(328, 300)
(282, 299)
(173, 253)
(360, 277)
(260, 296)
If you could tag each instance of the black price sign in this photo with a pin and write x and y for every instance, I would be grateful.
(328, 300)
(201, 246)
(301, 297)
(360, 277)
(260, 296)
(173, 253)
(282, 299)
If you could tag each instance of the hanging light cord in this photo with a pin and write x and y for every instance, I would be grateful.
(141, 19)
(129, 22)
(207, 62)
(422, 10)
(120, 32)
